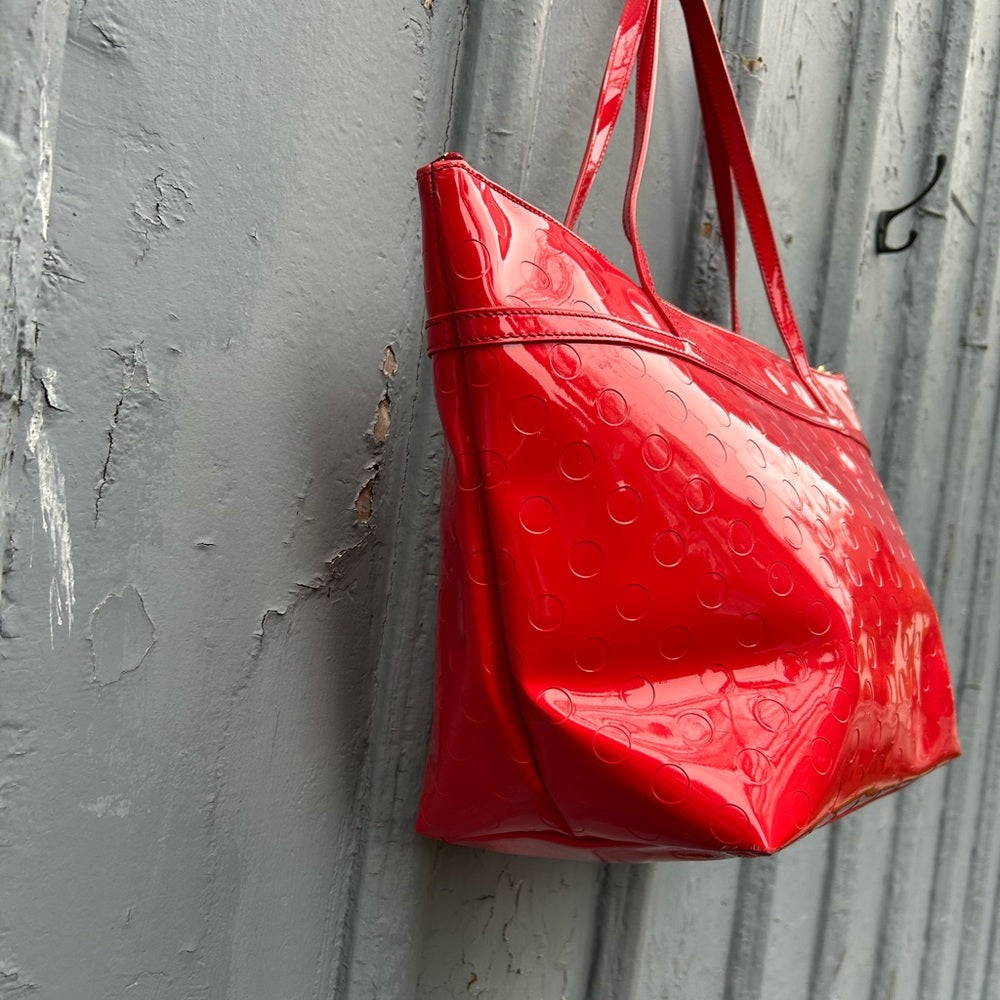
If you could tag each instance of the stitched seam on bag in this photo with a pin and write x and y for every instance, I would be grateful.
(463, 165)
(488, 532)
(712, 365)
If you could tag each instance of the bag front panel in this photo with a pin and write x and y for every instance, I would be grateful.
(692, 604)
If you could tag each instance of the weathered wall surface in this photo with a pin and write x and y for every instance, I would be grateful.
(218, 479)
(195, 571)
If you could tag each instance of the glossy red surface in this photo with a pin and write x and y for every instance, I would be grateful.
(677, 615)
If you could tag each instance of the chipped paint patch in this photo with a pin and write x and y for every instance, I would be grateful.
(55, 520)
(383, 418)
(389, 364)
(121, 634)
(364, 502)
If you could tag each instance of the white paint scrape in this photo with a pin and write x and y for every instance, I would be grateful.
(55, 521)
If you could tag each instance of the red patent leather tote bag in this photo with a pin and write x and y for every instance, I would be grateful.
(677, 615)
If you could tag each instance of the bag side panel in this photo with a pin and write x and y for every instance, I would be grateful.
(481, 778)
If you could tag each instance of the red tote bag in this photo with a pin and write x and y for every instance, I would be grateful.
(677, 615)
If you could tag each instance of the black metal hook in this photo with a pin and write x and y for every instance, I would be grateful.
(884, 218)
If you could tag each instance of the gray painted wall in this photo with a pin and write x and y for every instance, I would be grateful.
(218, 482)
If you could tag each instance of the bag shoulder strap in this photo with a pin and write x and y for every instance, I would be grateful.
(621, 62)
(636, 43)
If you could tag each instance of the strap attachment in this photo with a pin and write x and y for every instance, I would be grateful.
(635, 43)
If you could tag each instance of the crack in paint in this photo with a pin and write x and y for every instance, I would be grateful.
(132, 362)
(169, 198)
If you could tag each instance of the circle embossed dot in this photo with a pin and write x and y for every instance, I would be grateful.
(537, 515)
(577, 461)
(852, 571)
(586, 559)
(564, 360)
(546, 612)
(632, 361)
(675, 643)
(840, 704)
(632, 602)
(771, 714)
(535, 275)
(818, 618)
(821, 754)
(754, 765)
(780, 579)
(668, 549)
(821, 498)
(479, 566)
(470, 259)
(712, 590)
(853, 745)
(730, 824)
(657, 453)
(467, 472)
(612, 407)
(756, 454)
(592, 654)
(849, 533)
(698, 495)
(717, 679)
(675, 406)
(791, 665)
(715, 450)
(824, 533)
(792, 495)
(751, 630)
(871, 537)
(556, 704)
(754, 492)
(740, 538)
(830, 577)
(494, 469)
(695, 728)
(792, 532)
(529, 415)
(612, 744)
(801, 809)
(639, 693)
(624, 505)
(670, 784)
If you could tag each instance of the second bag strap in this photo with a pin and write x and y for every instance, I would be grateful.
(632, 30)
(636, 42)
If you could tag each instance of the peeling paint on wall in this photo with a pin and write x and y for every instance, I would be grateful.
(364, 502)
(55, 519)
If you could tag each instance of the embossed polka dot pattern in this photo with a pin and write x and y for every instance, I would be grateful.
(659, 585)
